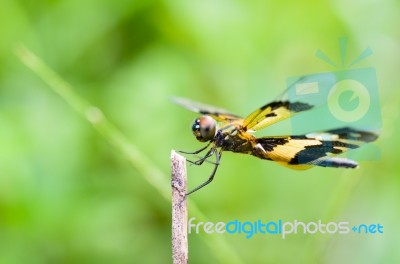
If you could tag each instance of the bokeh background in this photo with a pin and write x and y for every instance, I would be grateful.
(68, 195)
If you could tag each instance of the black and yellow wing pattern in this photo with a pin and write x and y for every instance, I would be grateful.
(273, 112)
(314, 149)
(282, 108)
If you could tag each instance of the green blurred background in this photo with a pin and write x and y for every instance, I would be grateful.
(68, 196)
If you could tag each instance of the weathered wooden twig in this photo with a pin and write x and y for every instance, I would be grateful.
(179, 209)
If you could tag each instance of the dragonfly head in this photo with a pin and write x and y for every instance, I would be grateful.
(204, 128)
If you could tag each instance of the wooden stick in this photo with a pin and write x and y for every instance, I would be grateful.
(179, 209)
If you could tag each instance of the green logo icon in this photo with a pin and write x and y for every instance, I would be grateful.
(349, 101)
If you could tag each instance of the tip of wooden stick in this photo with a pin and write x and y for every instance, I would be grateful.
(176, 155)
(178, 167)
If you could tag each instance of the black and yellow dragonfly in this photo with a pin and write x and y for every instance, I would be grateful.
(228, 132)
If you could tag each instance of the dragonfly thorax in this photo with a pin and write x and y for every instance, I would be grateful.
(204, 128)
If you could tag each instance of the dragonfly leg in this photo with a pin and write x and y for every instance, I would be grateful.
(200, 161)
(211, 178)
(197, 151)
(200, 157)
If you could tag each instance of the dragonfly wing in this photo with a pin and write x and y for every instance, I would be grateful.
(272, 113)
(304, 151)
(298, 97)
(217, 113)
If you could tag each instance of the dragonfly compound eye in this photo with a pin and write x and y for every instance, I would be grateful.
(208, 127)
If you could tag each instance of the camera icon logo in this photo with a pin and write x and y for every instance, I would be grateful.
(342, 98)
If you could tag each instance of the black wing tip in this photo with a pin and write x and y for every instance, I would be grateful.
(355, 134)
(299, 106)
(291, 106)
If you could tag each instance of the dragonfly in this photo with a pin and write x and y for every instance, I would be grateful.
(224, 131)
